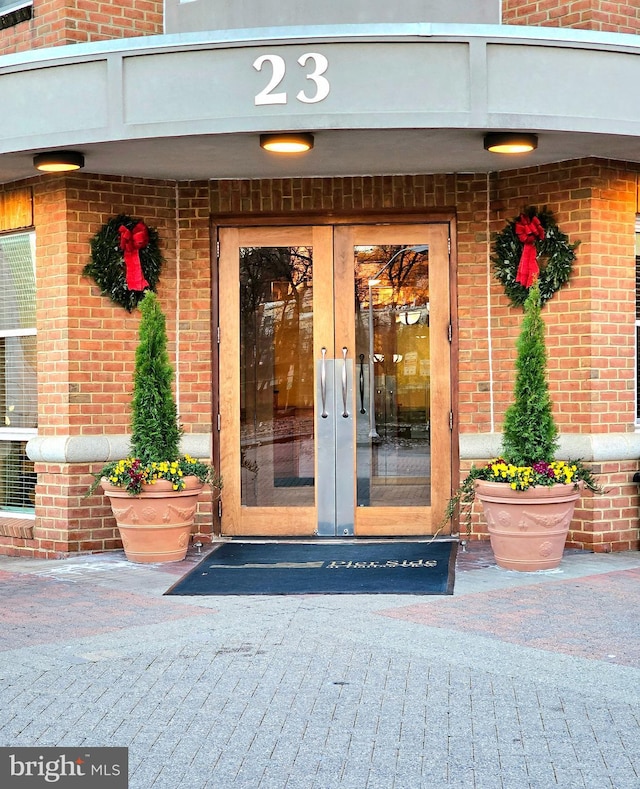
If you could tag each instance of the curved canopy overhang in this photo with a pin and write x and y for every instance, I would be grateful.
(380, 99)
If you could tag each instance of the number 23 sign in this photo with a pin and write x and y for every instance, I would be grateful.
(315, 65)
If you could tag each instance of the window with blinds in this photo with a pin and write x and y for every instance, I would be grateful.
(18, 377)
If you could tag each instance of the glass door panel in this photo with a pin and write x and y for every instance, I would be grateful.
(276, 376)
(273, 283)
(392, 347)
(401, 330)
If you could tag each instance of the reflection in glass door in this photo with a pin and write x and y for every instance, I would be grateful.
(276, 376)
(401, 332)
(393, 354)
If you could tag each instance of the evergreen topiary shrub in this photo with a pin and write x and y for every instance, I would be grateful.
(155, 431)
(530, 434)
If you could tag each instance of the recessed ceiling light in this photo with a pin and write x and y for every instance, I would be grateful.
(510, 142)
(58, 161)
(287, 143)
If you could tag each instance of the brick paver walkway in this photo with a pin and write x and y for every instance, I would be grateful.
(517, 681)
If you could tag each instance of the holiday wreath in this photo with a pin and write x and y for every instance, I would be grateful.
(125, 260)
(532, 247)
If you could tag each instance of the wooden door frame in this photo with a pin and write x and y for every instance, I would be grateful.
(374, 217)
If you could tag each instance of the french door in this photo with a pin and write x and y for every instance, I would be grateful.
(335, 380)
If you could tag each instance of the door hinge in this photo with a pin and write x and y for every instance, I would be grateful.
(217, 250)
(219, 508)
(450, 420)
(219, 422)
(449, 245)
(218, 335)
(450, 332)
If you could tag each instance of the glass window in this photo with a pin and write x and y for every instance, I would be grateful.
(18, 378)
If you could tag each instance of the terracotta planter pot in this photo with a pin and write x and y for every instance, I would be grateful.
(155, 526)
(527, 528)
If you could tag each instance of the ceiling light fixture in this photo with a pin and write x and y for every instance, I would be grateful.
(287, 143)
(58, 161)
(510, 142)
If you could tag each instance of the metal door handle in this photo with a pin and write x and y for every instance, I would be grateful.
(323, 383)
(362, 409)
(345, 413)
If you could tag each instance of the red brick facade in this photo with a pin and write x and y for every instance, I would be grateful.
(87, 343)
(85, 373)
(602, 15)
(58, 22)
(591, 342)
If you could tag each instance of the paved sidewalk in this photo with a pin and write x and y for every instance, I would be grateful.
(517, 681)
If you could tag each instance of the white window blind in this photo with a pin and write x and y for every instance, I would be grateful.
(18, 377)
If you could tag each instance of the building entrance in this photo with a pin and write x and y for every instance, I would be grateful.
(335, 382)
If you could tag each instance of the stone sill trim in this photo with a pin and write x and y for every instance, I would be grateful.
(590, 447)
(102, 448)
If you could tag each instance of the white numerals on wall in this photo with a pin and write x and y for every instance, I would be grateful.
(314, 62)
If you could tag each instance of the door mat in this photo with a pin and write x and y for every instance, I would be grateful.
(287, 568)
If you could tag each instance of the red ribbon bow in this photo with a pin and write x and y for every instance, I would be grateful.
(528, 232)
(130, 242)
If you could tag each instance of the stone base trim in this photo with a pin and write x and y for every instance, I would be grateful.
(590, 447)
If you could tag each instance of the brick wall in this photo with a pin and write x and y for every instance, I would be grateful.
(87, 343)
(608, 522)
(591, 338)
(357, 193)
(91, 341)
(602, 15)
(194, 306)
(590, 329)
(590, 322)
(58, 22)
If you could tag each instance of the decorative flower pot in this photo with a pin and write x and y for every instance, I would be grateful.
(156, 524)
(527, 528)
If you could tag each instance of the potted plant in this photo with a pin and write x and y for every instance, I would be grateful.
(154, 491)
(528, 497)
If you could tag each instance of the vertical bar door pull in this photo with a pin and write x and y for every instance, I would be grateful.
(323, 383)
(345, 413)
(362, 408)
